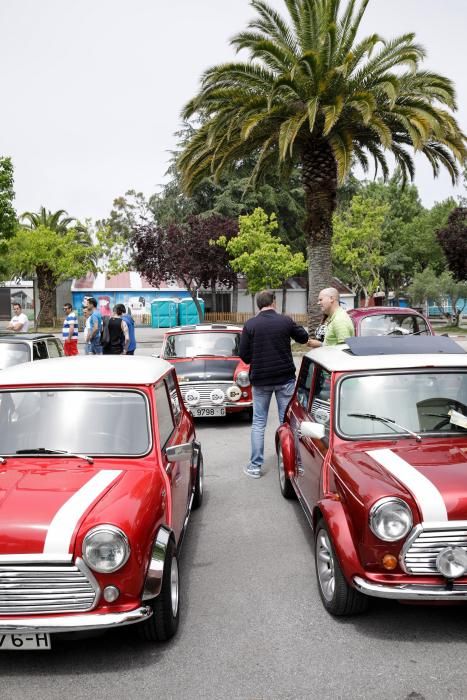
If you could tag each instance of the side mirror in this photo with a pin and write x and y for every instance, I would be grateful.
(180, 453)
(312, 430)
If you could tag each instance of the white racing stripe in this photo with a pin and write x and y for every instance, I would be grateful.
(429, 499)
(65, 520)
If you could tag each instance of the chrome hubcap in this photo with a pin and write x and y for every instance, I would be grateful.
(174, 586)
(280, 466)
(325, 565)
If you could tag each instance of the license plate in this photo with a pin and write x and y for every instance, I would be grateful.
(25, 642)
(208, 412)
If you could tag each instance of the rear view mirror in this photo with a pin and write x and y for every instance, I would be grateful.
(312, 430)
(180, 453)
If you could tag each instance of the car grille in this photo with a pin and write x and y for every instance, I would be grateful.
(45, 588)
(205, 388)
(420, 556)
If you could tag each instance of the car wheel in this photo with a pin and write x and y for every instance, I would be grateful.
(248, 414)
(166, 607)
(337, 596)
(287, 490)
(199, 484)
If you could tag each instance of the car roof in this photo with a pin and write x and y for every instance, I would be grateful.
(6, 337)
(396, 354)
(378, 310)
(204, 327)
(95, 370)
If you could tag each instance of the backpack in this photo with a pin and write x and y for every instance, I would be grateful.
(105, 333)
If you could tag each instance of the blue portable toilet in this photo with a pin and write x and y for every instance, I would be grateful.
(188, 313)
(163, 313)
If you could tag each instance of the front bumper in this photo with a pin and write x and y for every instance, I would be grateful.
(74, 623)
(411, 591)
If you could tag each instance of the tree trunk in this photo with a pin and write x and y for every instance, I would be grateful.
(253, 304)
(235, 297)
(213, 296)
(319, 177)
(194, 296)
(47, 287)
(284, 298)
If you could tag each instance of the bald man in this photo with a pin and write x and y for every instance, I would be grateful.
(339, 325)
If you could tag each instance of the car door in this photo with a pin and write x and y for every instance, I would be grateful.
(168, 418)
(311, 450)
(298, 410)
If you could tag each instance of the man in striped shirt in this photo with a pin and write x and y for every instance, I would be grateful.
(70, 331)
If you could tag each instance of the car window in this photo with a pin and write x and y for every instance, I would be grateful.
(304, 382)
(174, 397)
(54, 347)
(321, 398)
(393, 324)
(39, 350)
(220, 343)
(14, 354)
(165, 419)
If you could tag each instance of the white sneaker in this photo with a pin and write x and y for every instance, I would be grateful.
(254, 472)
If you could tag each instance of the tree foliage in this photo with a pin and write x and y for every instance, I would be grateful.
(8, 221)
(428, 285)
(453, 240)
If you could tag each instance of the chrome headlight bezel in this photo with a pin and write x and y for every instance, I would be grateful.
(118, 535)
(243, 378)
(382, 508)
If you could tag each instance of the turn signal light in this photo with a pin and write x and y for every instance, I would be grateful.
(389, 562)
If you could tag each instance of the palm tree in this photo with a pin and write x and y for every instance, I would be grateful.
(60, 223)
(313, 95)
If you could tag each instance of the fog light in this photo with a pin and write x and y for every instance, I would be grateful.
(217, 396)
(111, 593)
(452, 562)
(389, 562)
(192, 397)
(234, 393)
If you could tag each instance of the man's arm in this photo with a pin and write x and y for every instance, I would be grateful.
(127, 336)
(298, 333)
(246, 349)
(18, 327)
(94, 328)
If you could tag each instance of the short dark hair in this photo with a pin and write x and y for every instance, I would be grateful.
(16, 303)
(120, 309)
(92, 301)
(67, 305)
(265, 298)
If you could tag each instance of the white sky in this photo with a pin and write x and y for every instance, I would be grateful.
(91, 90)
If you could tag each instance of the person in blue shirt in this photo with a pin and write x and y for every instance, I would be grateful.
(95, 322)
(128, 318)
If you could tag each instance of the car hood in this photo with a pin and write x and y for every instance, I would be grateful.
(433, 473)
(202, 369)
(42, 507)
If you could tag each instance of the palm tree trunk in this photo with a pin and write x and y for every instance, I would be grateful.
(47, 288)
(319, 177)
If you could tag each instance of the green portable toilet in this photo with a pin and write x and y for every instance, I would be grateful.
(188, 313)
(163, 313)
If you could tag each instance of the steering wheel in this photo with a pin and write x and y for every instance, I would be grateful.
(451, 404)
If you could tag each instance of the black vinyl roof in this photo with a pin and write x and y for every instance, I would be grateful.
(403, 345)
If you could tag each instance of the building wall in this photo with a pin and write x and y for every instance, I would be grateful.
(296, 301)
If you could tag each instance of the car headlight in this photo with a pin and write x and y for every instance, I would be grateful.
(106, 549)
(243, 378)
(390, 519)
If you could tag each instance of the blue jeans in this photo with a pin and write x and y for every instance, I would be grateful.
(261, 400)
(96, 347)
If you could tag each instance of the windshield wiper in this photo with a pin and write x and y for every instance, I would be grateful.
(386, 421)
(47, 451)
(402, 331)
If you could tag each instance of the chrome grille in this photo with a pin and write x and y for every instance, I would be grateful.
(422, 549)
(45, 588)
(205, 388)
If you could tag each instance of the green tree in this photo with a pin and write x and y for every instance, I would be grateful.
(312, 94)
(8, 221)
(428, 285)
(52, 257)
(259, 255)
(453, 240)
(358, 242)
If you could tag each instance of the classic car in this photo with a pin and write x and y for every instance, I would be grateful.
(389, 320)
(99, 469)
(213, 379)
(374, 445)
(16, 348)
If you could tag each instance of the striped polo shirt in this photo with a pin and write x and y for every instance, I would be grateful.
(71, 318)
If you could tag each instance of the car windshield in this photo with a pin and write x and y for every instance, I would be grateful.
(394, 324)
(14, 354)
(92, 422)
(211, 343)
(420, 402)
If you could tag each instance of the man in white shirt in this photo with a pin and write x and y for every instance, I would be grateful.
(19, 321)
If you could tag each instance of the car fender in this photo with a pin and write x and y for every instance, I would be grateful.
(153, 580)
(339, 528)
(285, 438)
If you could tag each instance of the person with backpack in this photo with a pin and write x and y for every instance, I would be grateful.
(129, 320)
(95, 324)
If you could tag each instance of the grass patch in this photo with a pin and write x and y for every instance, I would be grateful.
(451, 330)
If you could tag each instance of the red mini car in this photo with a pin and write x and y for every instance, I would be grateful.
(214, 381)
(99, 469)
(389, 320)
(374, 444)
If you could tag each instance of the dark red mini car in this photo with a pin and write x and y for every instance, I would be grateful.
(214, 381)
(374, 445)
(389, 320)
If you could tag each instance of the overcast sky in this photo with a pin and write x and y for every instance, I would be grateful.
(91, 90)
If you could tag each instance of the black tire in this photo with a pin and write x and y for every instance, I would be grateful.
(199, 484)
(287, 490)
(166, 607)
(337, 596)
(248, 414)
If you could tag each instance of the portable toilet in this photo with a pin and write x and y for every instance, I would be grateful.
(188, 313)
(163, 313)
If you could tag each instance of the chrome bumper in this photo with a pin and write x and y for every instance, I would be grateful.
(74, 623)
(410, 591)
